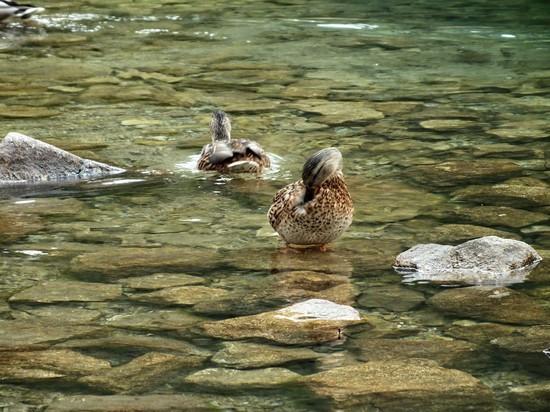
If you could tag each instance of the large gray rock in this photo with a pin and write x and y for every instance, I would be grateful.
(27, 160)
(488, 260)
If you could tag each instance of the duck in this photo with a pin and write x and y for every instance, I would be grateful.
(12, 8)
(317, 209)
(229, 155)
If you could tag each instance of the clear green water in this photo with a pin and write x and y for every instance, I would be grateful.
(134, 83)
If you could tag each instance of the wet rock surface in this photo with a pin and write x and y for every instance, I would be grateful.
(499, 216)
(181, 295)
(24, 159)
(242, 379)
(494, 304)
(242, 355)
(68, 291)
(141, 373)
(534, 397)
(401, 385)
(161, 281)
(391, 297)
(309, 322)
(487, 260)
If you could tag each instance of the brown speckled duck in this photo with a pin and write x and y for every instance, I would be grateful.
(316, 210)
(228, 155)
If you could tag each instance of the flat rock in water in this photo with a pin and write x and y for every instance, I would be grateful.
(27, 160)
(443, 125)
(533, 398)
(401, 385)
(494, 304)
(309, 322)
(120, 262)
(154, 320)
(181, 295)
(30, 335)
(48, 364)
(14, 226)
(241, 355)
(391, 297)
(68, 291)
(487, 260)
(140, 373)
(239, 379)
(444, 351)
(161, 281)
(499, 216)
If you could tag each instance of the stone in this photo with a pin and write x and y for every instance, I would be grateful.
(394, 298)
(119, 262)
(140, 373)
(55, 313)
(446, 352)
(479, 332)
(181, 295)
(519, 192)
(340, 112)
(493, 304)
(27, 160)
(126, 341)
(161, 281)
(309, 322)
(243, 355)
(401, 385)
(26, 112)
(155, 320)
(498, 216)
(487, 260)
(14, 226)
(48, 364)
(455, 173)
(220, 378)
(533, 398)
(31, 335)
(68, 291)
(521, 131)
(443, 125)
(457, 233)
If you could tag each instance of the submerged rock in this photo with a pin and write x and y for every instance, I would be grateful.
(147, 319)
(68, 291)
(48, 364)
(140, 373)
(309, 322)
(496, 304)
(533, 398)
(487, 260)
(391, 297)
(242, 355)
(27, 160)
(443, 125)
(238, 379)
(181, 295)
(444, 351)
(161, 281)
(499, 216)
(401, 385)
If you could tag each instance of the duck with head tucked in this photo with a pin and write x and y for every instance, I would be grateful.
(228, 155)
(12, 8)
(318, 208)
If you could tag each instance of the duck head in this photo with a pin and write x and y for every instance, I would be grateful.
(220, 127)
(321, 166)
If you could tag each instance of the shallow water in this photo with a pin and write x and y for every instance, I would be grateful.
(398, 88)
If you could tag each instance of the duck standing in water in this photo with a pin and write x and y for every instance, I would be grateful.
(316, 210)
(230, 155)
(23, 11)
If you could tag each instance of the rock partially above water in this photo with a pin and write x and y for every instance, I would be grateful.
(487, 260)
(309, 322)
(27, 160)
(497, 304)
(401, 385)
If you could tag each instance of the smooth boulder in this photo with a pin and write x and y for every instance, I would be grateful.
(486, 260)
(27, 160)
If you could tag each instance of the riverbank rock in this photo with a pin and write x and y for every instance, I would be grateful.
(487, 260)
(401, 385)
(242, 355)
(27, 160)
(496, 304)
(309, 322)
(241, 379)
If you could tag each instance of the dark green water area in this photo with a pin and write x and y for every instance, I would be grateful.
(441, 111)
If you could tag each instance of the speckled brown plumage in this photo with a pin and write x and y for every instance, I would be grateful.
(228, 155)
(312, 215)
(255, 160)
